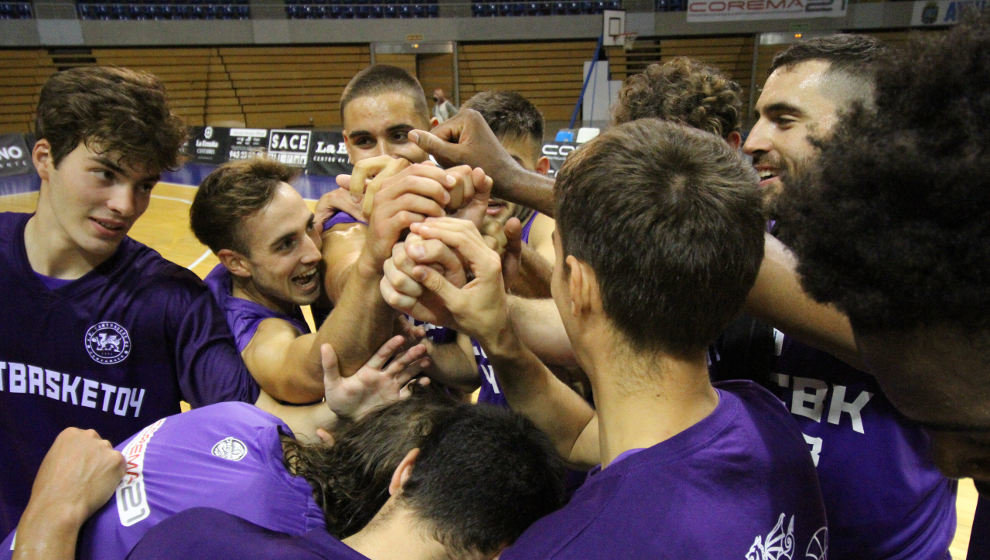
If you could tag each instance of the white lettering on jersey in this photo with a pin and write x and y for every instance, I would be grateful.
(809, 398)
(70, 389)
(487, 370)
(132, 500)
(778, 545)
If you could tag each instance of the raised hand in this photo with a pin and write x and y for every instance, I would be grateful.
(384, 379)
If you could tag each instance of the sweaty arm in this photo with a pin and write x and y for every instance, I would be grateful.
(77, 476)
(778, 299)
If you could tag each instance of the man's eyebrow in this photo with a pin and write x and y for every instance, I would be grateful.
(113, 166)
(781, 107)
(399, 127)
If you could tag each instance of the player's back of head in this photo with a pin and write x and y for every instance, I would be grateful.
(483, 475)
(231, 193)
(669, 219)
(351, 477)
(112, 110)
(682, 90)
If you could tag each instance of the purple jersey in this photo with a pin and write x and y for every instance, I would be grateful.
(226, 456)
(210, 533)
(341, 217)
(244, 316)
(883, 494)
(738, 484)
(111, 351)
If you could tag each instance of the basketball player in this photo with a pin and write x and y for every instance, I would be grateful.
(646, 275)
(912, 232)
(402, 468)
(438, 506)
(378, 107)
(100, 331)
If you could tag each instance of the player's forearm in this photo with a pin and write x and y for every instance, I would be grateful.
(533, 280)
(453, 364)
(778, 299)
(48, 533)
(361, 321)
(527, 188)
(532, 390)
(538, 325)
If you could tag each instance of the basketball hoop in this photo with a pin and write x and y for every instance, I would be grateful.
(626, 40)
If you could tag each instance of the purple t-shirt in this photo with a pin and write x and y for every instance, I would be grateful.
(210, 533)
(244, 316)
(738, 484)
(884, 496)
(226, 456)
(111, 351)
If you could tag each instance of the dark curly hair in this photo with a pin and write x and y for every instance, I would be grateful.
(350, 478)
(895, 218)
(683, 90)
(116, 111)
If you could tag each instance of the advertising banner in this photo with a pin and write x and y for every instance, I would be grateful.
(557, 152)
(208, 144)
(246, 143)
(943, 12)
(289, 147)
(327, 155)
(15, 157)
(736, 10)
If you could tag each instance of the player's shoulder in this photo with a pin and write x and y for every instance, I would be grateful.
(146, 265)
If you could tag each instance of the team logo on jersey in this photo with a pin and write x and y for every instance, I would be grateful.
(778, 545)
(107, 343)
(230, 448)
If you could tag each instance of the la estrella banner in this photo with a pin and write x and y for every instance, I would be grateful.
(328, 154)
(702, 11)
(208, 144)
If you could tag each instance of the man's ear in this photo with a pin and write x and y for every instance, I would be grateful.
(734, 139)
(41, 157)
(403, 472)
(236, 263)
(543, 165)
(582, 286)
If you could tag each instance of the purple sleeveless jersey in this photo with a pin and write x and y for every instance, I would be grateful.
(226, 456)
(111, 351)
(738, 484)
(210, 533)
(244, 316)
(884, 496)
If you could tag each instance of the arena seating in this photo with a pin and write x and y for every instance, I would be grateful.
(481, 8)
(159, 9)
(360, 9)
(15, 10)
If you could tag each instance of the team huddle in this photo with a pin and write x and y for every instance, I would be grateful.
(693, 342)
